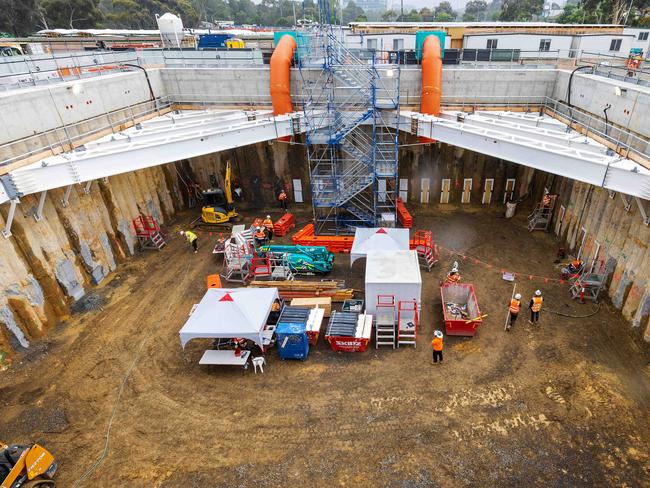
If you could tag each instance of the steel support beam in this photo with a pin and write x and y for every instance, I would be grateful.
(89, 183)
(627, 205)
(6, 232)
(66, 196)
(644, 214)
(38, 214)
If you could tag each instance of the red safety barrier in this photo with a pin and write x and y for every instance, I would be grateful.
(145, 225)
(335, 244)
(403, 214)
(283, 224)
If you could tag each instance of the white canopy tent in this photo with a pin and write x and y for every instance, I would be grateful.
(378, 239)
(227, 313)
(392, 273)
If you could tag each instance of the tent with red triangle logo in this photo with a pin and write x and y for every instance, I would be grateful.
(230, 313)
(378, 239)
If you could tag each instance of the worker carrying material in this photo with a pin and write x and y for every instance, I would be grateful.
(268, 225)
(437, 345)
(454, 275)
(515, 307)
(260, 237)
(535, 306)
(283, 200)
(192, 238)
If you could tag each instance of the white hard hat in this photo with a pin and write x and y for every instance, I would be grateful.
(438, 334)
(259, 228)
(182, 233)
(454, 269)
(456, 264)
(538, 293)
(268, 216)
(518, 296)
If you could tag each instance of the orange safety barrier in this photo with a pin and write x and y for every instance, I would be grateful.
(280, 72)
(283, 224)
(214, 281)
(403, 214)
(335, 244)
(431, 78)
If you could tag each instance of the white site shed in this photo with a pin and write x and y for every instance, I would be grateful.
(378, 239)
(392, 273)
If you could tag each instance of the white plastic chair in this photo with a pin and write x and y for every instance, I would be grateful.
(259, 361)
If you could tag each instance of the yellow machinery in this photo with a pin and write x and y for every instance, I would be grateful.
(218, 208)
(235, 43)
(26, 466)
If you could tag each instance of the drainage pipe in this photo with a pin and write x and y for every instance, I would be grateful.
(281, 75)
(431, 78)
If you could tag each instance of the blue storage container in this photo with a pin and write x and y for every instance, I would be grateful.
(213, 41)
(291, 338)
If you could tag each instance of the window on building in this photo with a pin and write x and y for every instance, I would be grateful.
(643, 36)
(492, 43)
(398, 44)
(615, 45)
(371, 44)
(545, 45)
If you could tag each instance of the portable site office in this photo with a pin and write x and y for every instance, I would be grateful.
(392, 273)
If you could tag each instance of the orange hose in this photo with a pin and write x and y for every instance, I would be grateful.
(281, 75)
(431, 78)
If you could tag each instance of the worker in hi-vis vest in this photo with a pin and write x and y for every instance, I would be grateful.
(192, 238)
(535, 306)
(436, 344)
(515, 306)
(267, 223)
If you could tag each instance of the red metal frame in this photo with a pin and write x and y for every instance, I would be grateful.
(460, 327)
(403, 214)
(145, 225)
(261, 266)
(412, 307)
(283, 224)
(335, 244)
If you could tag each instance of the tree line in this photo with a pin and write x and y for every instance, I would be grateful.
(25, 17)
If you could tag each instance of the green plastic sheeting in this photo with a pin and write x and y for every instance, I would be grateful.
(420, 36)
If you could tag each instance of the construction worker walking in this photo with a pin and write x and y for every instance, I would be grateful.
(535, 306)
(515, 306)
(268, 225)
(192, 238)
(437, 345)
(283, 200)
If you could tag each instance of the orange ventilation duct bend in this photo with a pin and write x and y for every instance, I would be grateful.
(281, 75)
(431, 78)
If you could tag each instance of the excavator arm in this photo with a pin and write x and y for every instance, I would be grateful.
(34, 462)
(226, 183)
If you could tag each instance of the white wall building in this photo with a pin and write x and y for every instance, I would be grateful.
(529, 45)
(641, 38)
(603, 44)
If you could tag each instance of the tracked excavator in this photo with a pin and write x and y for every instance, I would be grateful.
(218, 210)
(26, 466)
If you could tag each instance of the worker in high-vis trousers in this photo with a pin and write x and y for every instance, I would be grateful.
(267, 223)
(259, 236)
(436, 344)
(535, 306)
(515, 307)
(192, 238)
(283, 200)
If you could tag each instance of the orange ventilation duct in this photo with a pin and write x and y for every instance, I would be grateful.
(431, 78)
(281, 75)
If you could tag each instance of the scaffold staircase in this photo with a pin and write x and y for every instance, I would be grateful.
(428, 252)
(385, 321)
(352, 111)
(541, 216)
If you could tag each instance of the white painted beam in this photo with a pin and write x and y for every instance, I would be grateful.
(6, 232)
(38, 214)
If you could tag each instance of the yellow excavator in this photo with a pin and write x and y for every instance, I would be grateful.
(218, 210)
(26, 466)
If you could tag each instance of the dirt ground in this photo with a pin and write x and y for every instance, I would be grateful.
(562, 404)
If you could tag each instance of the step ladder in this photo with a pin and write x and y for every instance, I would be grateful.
(428, 252)
(385, 322)
(407, 323)
(280, 269)
(148, 232)
(541, 216)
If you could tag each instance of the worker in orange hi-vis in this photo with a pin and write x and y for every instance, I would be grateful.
(259, 236)
(454, 275)
(283, 200)
(515, 306)
(267, 223)
(436, 344)
(535, 306)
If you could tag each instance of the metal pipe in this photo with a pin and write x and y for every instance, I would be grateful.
(568, 102)
(146, 75)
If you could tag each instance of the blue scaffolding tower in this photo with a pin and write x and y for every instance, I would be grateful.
(351, 106)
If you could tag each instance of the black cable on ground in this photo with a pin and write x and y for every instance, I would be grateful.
(562, 314)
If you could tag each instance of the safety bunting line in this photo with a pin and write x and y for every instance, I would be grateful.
(465, 256)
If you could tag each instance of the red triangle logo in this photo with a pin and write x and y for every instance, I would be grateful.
(382, 231)
(226, 298)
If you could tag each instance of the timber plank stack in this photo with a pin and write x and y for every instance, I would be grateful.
(306, 289)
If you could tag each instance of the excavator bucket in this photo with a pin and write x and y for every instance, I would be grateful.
(39, 462)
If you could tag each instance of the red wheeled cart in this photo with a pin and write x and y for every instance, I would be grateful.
(460, 309)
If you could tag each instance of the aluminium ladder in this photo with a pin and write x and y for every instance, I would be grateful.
(385, 321)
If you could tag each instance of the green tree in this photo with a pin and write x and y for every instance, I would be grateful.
(426, 14)
(18, 17)
(352, 12)
(389, 16)
(444, 8)
(520, 10)
(72, 14)
(474, 10)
